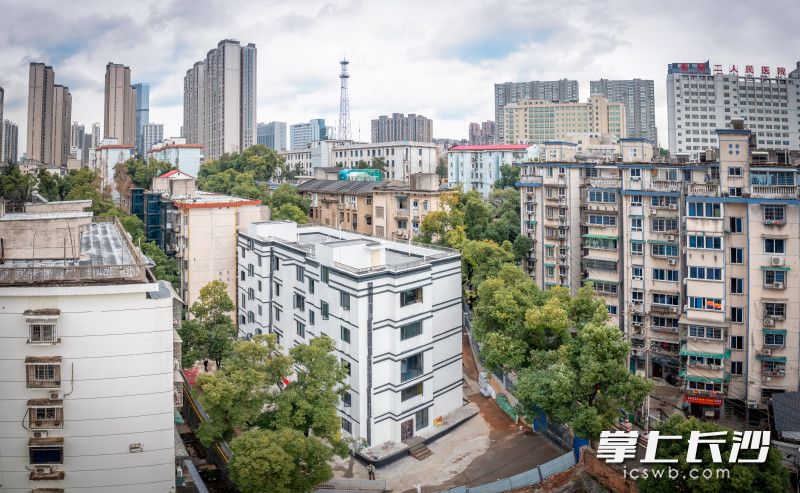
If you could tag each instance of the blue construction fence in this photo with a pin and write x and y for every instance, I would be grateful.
(527, 478)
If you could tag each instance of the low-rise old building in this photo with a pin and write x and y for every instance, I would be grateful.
(87, 390)
(477, 167)
(175, 151)
(393, 310)
(696, 261)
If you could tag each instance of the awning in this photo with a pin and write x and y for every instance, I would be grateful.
(45, 442)
(769, 267)
(549, 264)
(34, 360)
(45, 403)
(694, 378)
(700, 354)
(549, 245)
(661, 242)
(601, 237)
(772, 359)
(601, 280)
(775, 332)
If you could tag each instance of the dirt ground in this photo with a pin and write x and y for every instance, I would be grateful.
(485, 448)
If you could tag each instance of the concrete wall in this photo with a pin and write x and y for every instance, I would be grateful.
(43, 238)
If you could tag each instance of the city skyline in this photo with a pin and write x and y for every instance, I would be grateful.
(465, 56)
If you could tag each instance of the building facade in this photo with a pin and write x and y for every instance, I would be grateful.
(108, 155)
(39, 134)
(88, 390)
(175, 151)
(302, 134)
(638, 96)
(152, 133)
(272, 135)
(477, 167)
(700, 100)
(219, 101)
(120, 105)
(10, 142)
(398, 127)
(142, 116)
(696, 262)
(403, 359)
(401, 158)
(61, 130)
(534, 121)
(564, 91)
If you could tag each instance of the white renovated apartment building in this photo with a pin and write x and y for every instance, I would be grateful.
(108, 155)
(697, 263)
(477, 167)
(394, 310)
(86, 397)
(402, 158)
(701, 100)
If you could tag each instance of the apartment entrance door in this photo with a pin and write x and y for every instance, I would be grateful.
(406, 429)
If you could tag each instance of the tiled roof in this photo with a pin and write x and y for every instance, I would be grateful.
(786, 410)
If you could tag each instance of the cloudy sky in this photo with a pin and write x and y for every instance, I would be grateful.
(437, 58)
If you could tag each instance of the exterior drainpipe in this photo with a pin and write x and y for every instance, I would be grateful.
(369, 362)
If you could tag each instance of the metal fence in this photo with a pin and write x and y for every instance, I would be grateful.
(194, 414)
(521, 480)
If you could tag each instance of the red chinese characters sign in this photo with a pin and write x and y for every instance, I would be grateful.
(704, 401)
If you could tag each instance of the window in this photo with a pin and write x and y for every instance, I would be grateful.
(636, 224)
(737, 315)
(277, 314)
(345, 334)
(737, 342)
(346, 366)
(737, 285)
(250, 270)
(259, 310)
(703, 332)
(774, 245)
(664, 249)
(243, 300)
(310, 286)
(43, 375)
(243, 275)
(301, 328)
(734, 171)
(735, 224)
(612, 309)
(347, 425)
(662, 201)
(705, 273)
(344, 300)
(299, 302)
(636, 200)
(637, 272)
(662, 224)
(666, 299)
(637, 248)
(637, 295)
(704, 242)
(251, 317)
(324, 274)
(602, 196)
(737, 255)
(703, 303)
(43, 418)
(259, 286)
(774, 278)
(421, 419)
(411, 367)
(275, 262)
(323, 309)
(601, 243)
(46, 454)
(774, 338)
(311, 317)
(42, 333)
(775, 310)
(300, 273)
(700, 209)
(774, 214)
(411, 296)
(277, 289)
(251, 294)
(410, 330)
(411, 392)
(736, 367)
(602, 220)
(347, 399)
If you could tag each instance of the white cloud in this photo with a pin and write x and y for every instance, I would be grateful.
(440, 59)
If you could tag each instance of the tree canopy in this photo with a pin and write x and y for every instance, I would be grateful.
(210, 331)
(771, 476)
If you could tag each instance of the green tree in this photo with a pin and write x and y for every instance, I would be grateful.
(481, 259)
(441, 168)
(585, 383)
(49, 185)
(290, 212)
(771, 476)
(235, 396)
(279, 461)
(210, 331)
(15, 186)
(308, 404)
(286, 194)
(521, 246)
(509, 176)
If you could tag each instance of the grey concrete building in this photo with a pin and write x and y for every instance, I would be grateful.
(640, 103)
(39, 145)
(398, 127)
(9, 148)
(302, 134)
(142, 115)
(272, 135)
(120, 105)
(562, 91)
(152, 133)
(61, 129)
(2, 93)
(219, 102)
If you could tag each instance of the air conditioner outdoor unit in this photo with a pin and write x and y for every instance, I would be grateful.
(673, 309)
(673, 206)
(752, 404)
(43, 469)
(769, 322)
(55, 396)
(778, 285)
(777, 261)
(670, 237)
(766, 352)
(672, 261)
(39, 434)
(636, 178)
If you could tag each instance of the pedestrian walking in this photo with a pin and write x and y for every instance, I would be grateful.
(205, 365)
(371, 471)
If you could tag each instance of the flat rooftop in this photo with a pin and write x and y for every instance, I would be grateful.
(44, 216)
(208, 198)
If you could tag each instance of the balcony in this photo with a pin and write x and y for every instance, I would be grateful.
(401, 213)
(605, 182)
(665, 186)
(704, 190)
(774, 191)
(667, 348)
(664, 308)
